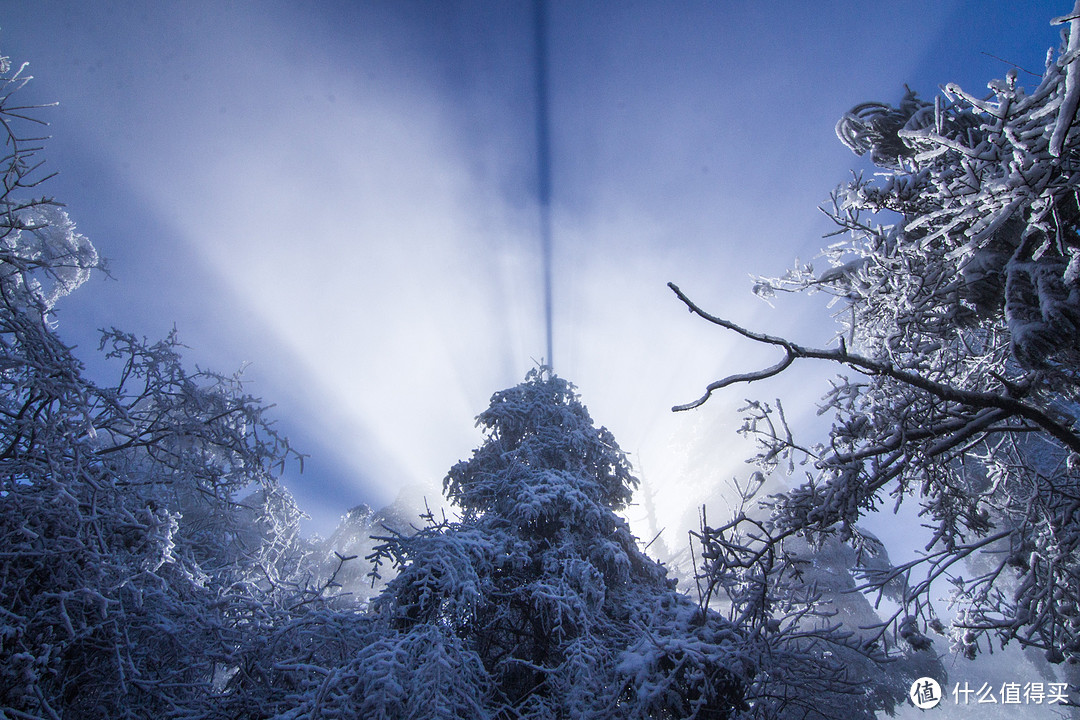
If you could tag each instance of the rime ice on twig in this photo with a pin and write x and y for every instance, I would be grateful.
(958, 300)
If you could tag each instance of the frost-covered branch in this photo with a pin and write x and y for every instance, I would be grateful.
(955, 275)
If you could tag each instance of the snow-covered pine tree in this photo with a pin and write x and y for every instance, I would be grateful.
(536, 602)
(958, 286)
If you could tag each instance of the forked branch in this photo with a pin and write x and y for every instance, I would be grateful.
(794, 351)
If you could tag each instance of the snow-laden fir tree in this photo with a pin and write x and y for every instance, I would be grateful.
(960, 318)
(536, 601)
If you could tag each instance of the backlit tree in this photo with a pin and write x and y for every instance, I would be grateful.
(536, 602)
(143, 531)
(957, 283)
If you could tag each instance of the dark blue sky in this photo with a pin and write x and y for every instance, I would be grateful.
(344, 195)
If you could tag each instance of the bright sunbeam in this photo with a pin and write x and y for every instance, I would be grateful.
(362, 182)
(393, 277)
(391, 211)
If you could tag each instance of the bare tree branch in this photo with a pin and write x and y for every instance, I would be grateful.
(871, 367)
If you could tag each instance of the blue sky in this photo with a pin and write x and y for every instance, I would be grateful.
(343, 195)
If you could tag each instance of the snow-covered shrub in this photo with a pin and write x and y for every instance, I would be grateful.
(144, 537)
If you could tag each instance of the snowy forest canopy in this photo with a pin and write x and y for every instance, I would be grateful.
(151, 563)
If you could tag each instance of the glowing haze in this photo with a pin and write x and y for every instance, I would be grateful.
(345, 195)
